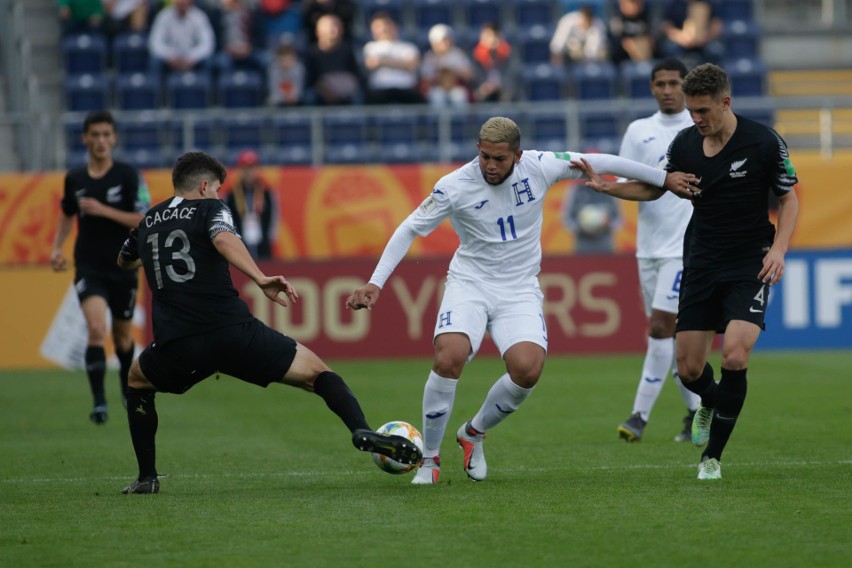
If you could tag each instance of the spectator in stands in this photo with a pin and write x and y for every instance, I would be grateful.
(580, 37)
(313, 10)
(281, 18)
(81, 16)
(333, 76)
(181, 38)
(286, 76)
(691, 30)
(446, 68)
(391, 64)
(631, 37)
(239, 25)
(592, 220)
(492, 65)
(126, 16)
(254, 207)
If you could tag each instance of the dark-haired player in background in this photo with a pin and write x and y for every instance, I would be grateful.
(201, 326)
(109, 198)
(732, 252)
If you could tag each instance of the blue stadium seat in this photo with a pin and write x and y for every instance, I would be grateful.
(86, 92)
(636, 78)
(84, 53)
(533, 44)
(346, 139)
(741, 39)
(241, 89)
(396, 137)
(601, 145)
(478, 12)
(566, 6)
(73, 137)
(765, 116)
(201, 134)
(534, 13)
(240, 131)
(596, 124)
(145, 158)
(546, 131)
(748, 77)
(137, 91)
(76, 159)
(593, 80)
(291, 129)
(189, 90)
(130, 53)
(427, 13)
(736, 10)
(544, 82)
(142, 131)
(286, 155)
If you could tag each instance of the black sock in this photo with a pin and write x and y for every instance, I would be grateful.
(95, 369)
(125, 359)
(730, 397)
(704, 386)
(340, 400)
(142, 417)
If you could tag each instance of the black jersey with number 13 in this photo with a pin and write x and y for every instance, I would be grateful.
(190, 281)
(730, 224)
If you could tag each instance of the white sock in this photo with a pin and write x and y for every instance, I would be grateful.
(438, 396)
(658, 361)
(503, 399)
(690, 398)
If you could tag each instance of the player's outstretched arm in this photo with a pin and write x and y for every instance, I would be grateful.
(627, 190)
(232, 248)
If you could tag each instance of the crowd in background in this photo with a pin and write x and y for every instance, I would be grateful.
(314, 52)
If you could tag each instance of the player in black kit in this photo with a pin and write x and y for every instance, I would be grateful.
(201, 326)
(109, 198)
(732, 252)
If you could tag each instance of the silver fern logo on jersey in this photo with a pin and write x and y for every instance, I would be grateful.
(735, 168)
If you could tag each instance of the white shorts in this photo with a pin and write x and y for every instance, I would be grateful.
(660, 281)
(510, 315)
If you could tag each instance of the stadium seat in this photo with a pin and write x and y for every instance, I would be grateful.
(427, 13)
(533, 44)
(189, 90)
(76, 159)
(396, 137)
(137, 91)
(636, 78)
(346, 139)
(240, 89)
(286, 155)
(547, 131)
(478, 12)
(130, 53)
(741, 39)
(599, 124)
(193, 132)
(597, 6)
(544, 82)
(86, 92)
(534, 13)
(240, 131)
(140, 131)
(603, 144)
(730, 10)
(291, 129)
(593, 80)
(765, 116)
(145, 158)
(84, 54)
(73, 136)
(748, 77)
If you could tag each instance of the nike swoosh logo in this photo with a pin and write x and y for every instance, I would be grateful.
(510, 411)
(434, 415)
(752, 310)
(653, 380)
(671, 297)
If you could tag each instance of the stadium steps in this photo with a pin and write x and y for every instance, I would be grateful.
(801, 127)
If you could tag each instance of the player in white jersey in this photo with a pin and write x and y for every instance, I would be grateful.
(495, 206)
(659, 247)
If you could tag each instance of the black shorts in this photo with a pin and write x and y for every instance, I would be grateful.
(251, 352)
(709, 301)
(120, 294)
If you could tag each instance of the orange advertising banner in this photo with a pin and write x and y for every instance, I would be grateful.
(350, 211)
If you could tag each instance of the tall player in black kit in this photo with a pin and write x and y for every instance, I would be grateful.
(732, 252)
(109, 198)
(201, 326)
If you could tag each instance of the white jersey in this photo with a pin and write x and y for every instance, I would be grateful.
(661, 223)
(499, 226)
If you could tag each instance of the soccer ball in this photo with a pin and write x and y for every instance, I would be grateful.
(398, 428)
(592, 219)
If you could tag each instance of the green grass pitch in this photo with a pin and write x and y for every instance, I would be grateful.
(269, 477)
